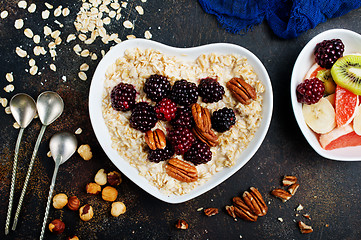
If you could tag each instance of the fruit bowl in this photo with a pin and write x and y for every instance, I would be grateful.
(103, 135)
(305, 60)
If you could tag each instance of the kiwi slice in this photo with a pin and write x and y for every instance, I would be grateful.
(325, 76)
(346, 72)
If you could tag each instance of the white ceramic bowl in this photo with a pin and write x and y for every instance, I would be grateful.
(305, 60)
(101, 130)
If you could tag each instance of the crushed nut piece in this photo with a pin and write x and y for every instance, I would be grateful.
(293, 188)
(117, 209)
(52, 67)
(299, 208)
(78, 131)
(181, 224)
(49, 154)
(85, 152)
(210, 211)
(101, 177)
(93, 188)
(282, 194)
(147, 35)
(109, 194)
(304, 228)
(280, 219)
(307, 216)
(289, 180)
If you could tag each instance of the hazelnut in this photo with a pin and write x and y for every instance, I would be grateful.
(60, 200)
(117, 209)
(109, 194)
(101, 177)
(73, 203)
(86, 212)
(73, 238)
(93, 188)
(85, 152)
(181, 224)
(56, 226)
(114, 178)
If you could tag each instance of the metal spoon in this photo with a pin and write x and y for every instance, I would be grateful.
(23, 109)
(62, 147)
(50, 106)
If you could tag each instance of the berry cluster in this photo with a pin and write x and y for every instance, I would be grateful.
(328, 51)
(310, 91)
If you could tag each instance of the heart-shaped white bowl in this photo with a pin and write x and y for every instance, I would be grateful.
(103, 136)
(305, 60)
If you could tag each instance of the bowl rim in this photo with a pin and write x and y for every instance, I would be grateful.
(99, 127)
(307, 52)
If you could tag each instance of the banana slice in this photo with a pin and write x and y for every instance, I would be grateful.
(357, 122)
(320, 117)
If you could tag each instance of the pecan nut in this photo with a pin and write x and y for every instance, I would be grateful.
(202, 117)
(210, 211)
(209, 138)
(230, 211)
(155, 139)
(181, 224)
(293, 188)
(254, 201)
(289, 180)
(304, 228)
(181, 170)
(243, 211)
(241, 90)
(282, 194)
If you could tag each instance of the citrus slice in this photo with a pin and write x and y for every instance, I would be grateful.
(346, 104)
(312, 73)
(340, 137)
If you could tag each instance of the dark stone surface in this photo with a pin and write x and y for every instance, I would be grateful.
(329, 191)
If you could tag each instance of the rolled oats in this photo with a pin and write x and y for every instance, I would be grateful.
(9, 77)
(147, 35)
(84, 67)
(9, 88)
(32, 8)
(58, 11)
(66, 12)
(47, 31)
(45, 14)
(22, 4)
(16, 125)
(48, 5)
(28, 33)
(20, 52)
(19, 23)
(82, 76)
(70, 37)
(32, 62)
(140, 10)
(52, 67)
(33, 70)
(78, 131)
(36, 39)
(4, 14)
(128, 24)
(7, 110)
(4, 102)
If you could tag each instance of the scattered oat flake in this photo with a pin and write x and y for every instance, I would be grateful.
(51, 45)
(94, 56)
(144, 1)
(7, 110)
(37, 50)
(31, 62)
(9, 77)
(16, 125)
(52, 67)
(106, 20)
(4, 14)
(22, 4)
(128, 24)
(9, 88)
(77, 48)
(280, 219)
(33, 70)
(85, 53)
(147, 35)
(84, 67)
(28, 33)
(36, 39)
(131, 37)
(45, 14)
(102, 52)
(32, 8)
(199, 209)
(299, 208)
(78, 131)
(4, 102)
(115, 5)
(66, 12)
(82, 76)
(48, 5)
(20, 52)
(57, 11)
(19, 23)
(124, 4)
(47, 30)
(140, 10)
(307, 216)
(58, 41)
(70, 37)
(55, 34)
(82, 37)
(112, 14)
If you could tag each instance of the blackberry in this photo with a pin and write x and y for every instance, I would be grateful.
(184, 93)
(310, 91)
(328, 51)
(199, 153)
(181, 139)
(123, 97)
(183, 117)
(166, 109)
(157, 87)
(143, 117)
(210, 90)
(223, 119)
(160, 154)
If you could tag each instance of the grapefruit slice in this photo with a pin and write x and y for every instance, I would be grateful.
(312, 73)
(346, 104)
(340, 137)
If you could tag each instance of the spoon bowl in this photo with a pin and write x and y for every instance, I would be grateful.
(63, 145)
(23, 109)
(50, 106)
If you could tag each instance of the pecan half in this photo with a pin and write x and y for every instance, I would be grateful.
(254, 200)
(241, 90)
(230, 211)
(155, 139)
(181, 224)
(210, 211)
(210, 138)
(202, 117)
(282, 194)
(289, 180)
(243, 211)
(181, 170)
(293, 188)
(304, 228)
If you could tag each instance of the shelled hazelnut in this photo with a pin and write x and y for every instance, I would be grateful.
(73, 238)
(118, 208)
(93, 188)
(60, 200)
(57, 226)
(86, 212)
(85, 152)
(101, 177)
(109, 194)
(73, 203)
(114, 178)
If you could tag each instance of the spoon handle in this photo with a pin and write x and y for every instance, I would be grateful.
(37, 144)
(13, 178)
(57, 164)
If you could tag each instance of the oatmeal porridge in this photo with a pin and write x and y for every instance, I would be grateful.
(139, 64)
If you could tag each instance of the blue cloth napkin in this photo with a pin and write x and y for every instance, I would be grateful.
(286, 18)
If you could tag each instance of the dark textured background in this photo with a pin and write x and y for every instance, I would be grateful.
(329, 190)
